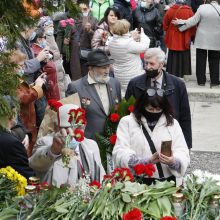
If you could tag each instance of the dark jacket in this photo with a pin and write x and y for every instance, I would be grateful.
(195, 4)
(125, 10)
(150, 20)
(176, 93)
(13, 153)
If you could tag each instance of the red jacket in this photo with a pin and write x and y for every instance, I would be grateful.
(50, 69)
(174, 39)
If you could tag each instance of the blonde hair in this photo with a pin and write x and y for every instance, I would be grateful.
(17, 56)
(121, 27)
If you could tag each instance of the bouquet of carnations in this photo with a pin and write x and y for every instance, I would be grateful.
(67, 25)
(77, 121)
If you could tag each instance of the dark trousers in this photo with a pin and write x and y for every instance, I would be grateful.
(213, 58)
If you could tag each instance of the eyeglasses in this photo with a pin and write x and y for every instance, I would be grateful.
(44, 37)
(152, 92)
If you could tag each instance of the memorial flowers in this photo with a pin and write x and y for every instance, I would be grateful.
(67, 26)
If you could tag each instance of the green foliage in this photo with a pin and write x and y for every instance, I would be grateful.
(122, 109)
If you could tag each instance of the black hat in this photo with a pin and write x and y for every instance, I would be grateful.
(98, 58)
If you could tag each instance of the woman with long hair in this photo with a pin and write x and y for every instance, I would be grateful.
(141, 134)
(104, 30)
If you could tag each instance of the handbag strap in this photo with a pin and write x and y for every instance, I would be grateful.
(215, 9)
(153, 150)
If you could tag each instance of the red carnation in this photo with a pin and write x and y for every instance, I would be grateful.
(131, 108)
(139, 169)
(81, 120)
(149, 170)
(54, 104)
(168, 218)
(80, 112)
(112, 139)
(95, 184)
(107, 177)
(114, 117)
(134, 214)
(122, 174)
(79, 135)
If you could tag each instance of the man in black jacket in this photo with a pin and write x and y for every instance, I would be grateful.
(174, 87)
(12, 151)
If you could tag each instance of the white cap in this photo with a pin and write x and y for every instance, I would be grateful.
(63, 115)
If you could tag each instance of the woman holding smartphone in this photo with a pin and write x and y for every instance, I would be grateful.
(141, 134)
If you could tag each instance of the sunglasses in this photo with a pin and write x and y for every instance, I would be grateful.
(44, 37)
(152, 92)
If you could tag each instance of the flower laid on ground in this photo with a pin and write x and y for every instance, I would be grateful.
(134, 214)
(95, 184)
(114, 117)
(121, 174)
(168, 218)
(144, 169)
(18, 179)
(67, 25)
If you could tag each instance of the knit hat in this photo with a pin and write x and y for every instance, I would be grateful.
(45, 21)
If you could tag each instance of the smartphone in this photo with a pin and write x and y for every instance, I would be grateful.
(166, 148)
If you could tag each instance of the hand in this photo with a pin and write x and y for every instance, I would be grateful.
(166, 160)
(41, 80)
(135, 34)
(66, 41)
(167, 7)
(43, 54)
(25, 142)
(178, 21)
(155, 158)
(59, 140)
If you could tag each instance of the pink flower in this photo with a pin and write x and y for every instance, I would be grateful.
(70, 21)
(63, 23)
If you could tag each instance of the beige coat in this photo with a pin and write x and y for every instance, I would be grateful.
(51, 169)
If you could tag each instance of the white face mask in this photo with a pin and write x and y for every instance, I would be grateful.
(85, 14)
(143, 4)
(127, 0)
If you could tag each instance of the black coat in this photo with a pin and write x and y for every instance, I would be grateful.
(13, 153)
(150, 20)
(125, 10)
(176, 93)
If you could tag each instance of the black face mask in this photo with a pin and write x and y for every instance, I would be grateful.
(152, 116)
(152, 73)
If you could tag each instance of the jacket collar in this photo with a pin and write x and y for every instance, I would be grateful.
(167, 84)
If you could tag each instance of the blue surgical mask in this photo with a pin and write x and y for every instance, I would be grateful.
(50, 32)
(73, 144)
(43, 44)
(20, 72)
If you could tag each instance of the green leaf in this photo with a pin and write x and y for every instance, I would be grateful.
(126, 197)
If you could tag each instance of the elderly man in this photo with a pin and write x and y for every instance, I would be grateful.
(174, 87)
(62, 157)
(97, 91)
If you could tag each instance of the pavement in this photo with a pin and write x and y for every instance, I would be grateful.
(205, 111)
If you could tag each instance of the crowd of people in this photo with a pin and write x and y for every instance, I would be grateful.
(114, 49)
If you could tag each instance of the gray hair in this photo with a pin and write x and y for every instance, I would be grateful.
(155, 52)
